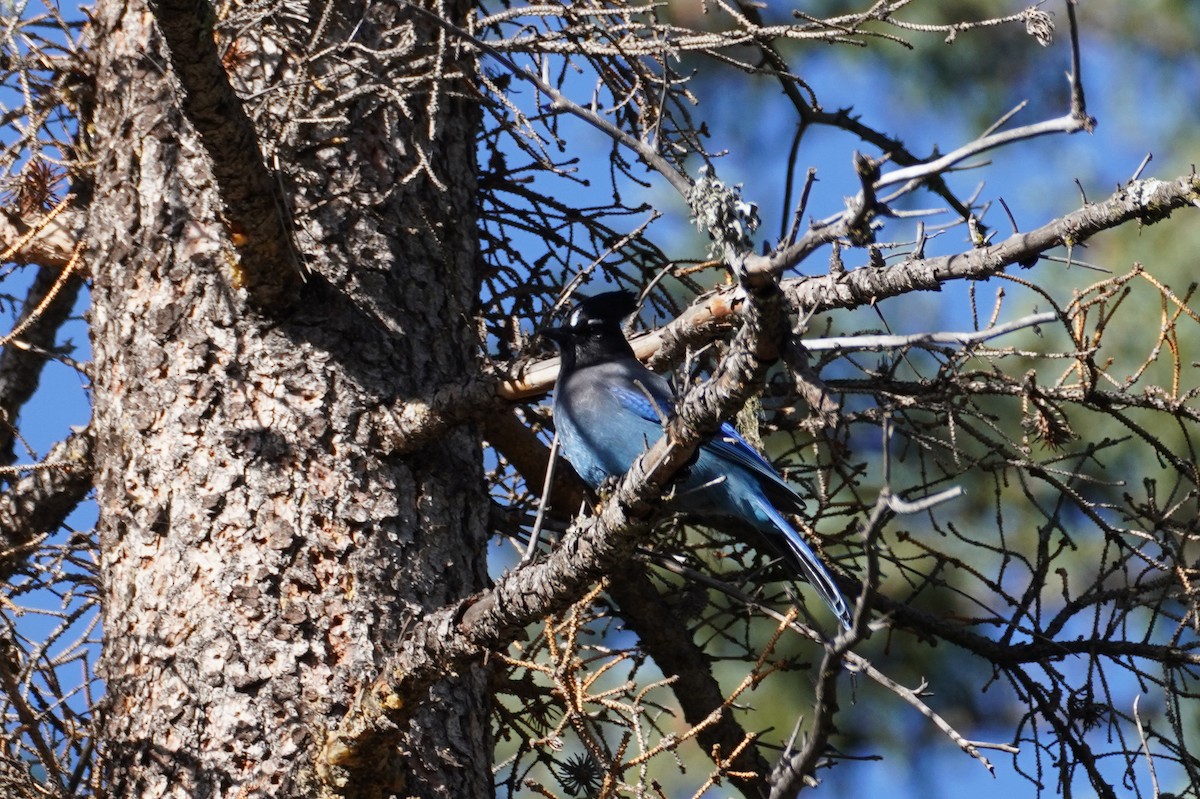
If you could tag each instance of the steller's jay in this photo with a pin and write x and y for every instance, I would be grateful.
(609, 408)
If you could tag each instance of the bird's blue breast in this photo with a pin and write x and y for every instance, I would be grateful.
(601, 427)
(609, 414)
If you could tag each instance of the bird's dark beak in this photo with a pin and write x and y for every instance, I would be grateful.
(556, 334)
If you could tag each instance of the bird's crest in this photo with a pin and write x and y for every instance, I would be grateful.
(611, 306)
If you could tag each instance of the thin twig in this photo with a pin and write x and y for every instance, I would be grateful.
(649, 155)
(536, 532)
(879, 342)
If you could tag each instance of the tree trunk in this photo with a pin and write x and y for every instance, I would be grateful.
(259, 553)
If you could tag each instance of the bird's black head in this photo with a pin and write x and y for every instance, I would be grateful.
(592, 333)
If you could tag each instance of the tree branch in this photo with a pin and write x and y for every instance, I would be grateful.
(47, 306)
(646, 151)
(811, 114)
(844, 225)
(39, 502)
(674, 651)
(408, 423)
(47, 240)
(1147, 201)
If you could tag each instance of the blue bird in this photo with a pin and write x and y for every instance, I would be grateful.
(609, 408)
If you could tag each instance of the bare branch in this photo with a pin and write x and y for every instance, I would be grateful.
(49, 239)
(38, 503)
(671, 646)
(47, 306)
(1147, 201)
(647, 152)
(963, 338)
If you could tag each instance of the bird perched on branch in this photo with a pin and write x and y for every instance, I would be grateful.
(609, 408)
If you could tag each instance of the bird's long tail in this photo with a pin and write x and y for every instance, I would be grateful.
(814, 571)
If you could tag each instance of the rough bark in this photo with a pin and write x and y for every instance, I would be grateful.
(260, 553)
(253, 207)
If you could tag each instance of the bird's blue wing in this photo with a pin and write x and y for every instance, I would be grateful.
(652, 404)
(730, 446)
(651, 400)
